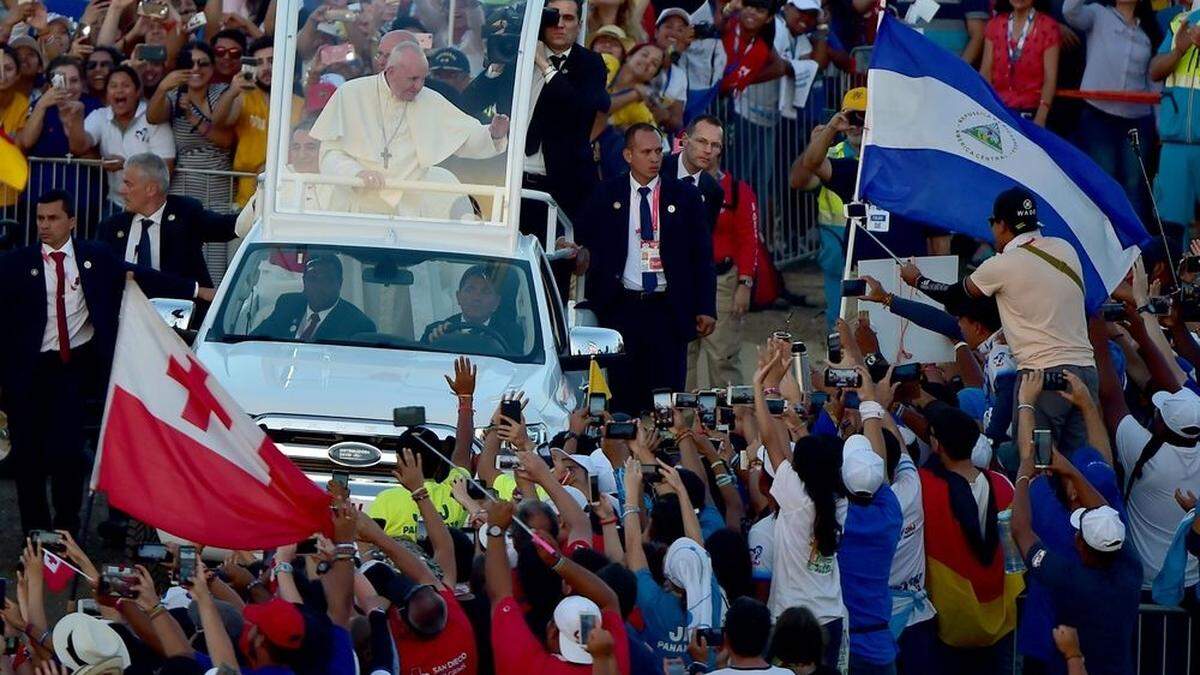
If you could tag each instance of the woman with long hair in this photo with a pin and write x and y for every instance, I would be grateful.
(13, 106)
(1020, 57)
(1122, 36)
(634, 100)
(186, 98)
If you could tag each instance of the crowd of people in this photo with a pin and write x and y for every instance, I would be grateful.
(852, 516)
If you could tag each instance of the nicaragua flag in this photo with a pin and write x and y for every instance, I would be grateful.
(939, 146)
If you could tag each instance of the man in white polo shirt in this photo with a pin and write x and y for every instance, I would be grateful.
(120, 130)
(1038, 285)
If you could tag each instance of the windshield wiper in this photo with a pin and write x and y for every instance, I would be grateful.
(235, 339)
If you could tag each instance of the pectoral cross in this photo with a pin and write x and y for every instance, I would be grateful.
(386, 155)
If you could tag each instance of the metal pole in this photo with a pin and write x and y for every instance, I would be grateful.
(1135, 144)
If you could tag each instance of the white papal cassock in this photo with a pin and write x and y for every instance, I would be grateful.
(365, 127)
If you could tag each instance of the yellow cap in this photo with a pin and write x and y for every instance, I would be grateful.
(855, 99)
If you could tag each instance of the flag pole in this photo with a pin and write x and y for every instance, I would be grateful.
(853, 224)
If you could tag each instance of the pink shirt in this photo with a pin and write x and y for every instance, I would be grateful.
(1020, 87)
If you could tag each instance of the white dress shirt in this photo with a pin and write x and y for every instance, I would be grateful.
(308, 315)
(631, 277)
(536, 163)
(135, 235)
(79, 326)
(682, 172)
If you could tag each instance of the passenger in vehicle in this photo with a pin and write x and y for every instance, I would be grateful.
(389, 127)
(479, 296)
(318, 312)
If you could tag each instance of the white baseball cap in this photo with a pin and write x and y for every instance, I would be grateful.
(1100, 527)
(605, 476)
(663, 16)
(567, 618)
(862, 468)
(806, 5)
(1179, 411)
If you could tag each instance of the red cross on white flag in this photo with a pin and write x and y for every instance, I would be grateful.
(178, 453)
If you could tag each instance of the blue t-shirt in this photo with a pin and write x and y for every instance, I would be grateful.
(666, 619)
(869, 540)
(642, 660)
(1052, 525)
(1101, 603)
(710, 521)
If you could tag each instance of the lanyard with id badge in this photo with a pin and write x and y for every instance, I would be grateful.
(651, 254)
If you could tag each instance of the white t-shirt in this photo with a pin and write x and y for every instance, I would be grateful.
(801, 576)
(672, 83)
(1153, 512)
(140, 136)
(908, 566)
(769, 670)
(759, 540)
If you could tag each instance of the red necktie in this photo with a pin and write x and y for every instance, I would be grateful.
(60, 306)
(311, 328)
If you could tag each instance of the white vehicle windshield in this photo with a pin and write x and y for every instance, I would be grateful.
(388, 298)
(401, 109)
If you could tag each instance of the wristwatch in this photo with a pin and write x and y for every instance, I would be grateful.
(495, 531)
(746, 281)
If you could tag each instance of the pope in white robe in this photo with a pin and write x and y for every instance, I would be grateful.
(390, 127)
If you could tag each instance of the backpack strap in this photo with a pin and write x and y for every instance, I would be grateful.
(1148, 452)
(1056, 264)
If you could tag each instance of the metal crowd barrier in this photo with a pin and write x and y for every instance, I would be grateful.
(87, 182)
(760, 146)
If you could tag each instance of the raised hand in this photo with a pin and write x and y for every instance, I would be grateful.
(463, 383)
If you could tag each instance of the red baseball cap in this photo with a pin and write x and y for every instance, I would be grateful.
(279, 622)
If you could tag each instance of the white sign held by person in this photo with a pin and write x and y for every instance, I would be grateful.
(902, 341)
(179, 454)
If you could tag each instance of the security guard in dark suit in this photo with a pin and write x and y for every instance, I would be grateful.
(62, 299)
(651, 275)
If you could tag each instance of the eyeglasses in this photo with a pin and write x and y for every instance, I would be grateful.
(228, 52)
(93, 65)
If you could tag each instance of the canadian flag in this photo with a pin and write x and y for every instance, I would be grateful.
(177, 453)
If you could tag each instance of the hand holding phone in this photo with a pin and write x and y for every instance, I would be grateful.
(1041, 448)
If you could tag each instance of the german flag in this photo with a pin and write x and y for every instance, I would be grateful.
(976, 602)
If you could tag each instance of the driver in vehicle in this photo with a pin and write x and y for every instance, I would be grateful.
(318, 312)
(478, 297)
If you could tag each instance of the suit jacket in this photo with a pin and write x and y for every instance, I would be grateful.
(561, 124)
(186, 225)
(710, 189)
(686, 249)
(24, 287)
(343, 320)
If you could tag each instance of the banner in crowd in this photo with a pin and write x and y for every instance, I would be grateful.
(177, 453)
(940, 145)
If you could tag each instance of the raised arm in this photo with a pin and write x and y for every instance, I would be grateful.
(216, 640)
(1112, 399)
(406, 563)
(410, 473)
(635, 555)
(338, 582)
(463, 388)
(497, 574)
(813, 166)
(691, 523)
(578, 525)
(1079, 396)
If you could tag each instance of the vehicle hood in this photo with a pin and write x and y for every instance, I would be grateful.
(366, 383)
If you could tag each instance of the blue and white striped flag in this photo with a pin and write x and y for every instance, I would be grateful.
(939, 146)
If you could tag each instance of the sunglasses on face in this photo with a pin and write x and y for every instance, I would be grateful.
(228, 52)
(856, 118)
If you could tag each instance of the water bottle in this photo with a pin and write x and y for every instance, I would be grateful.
(1013, 563)
(800, 368)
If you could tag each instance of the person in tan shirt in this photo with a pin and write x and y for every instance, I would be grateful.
(1038, 285)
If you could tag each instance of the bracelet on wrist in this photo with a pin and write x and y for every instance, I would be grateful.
(153, 613)
(609, 521)
(630, 511)
(558, 564)
(1023, 406)
(281, 568)
(771, 391)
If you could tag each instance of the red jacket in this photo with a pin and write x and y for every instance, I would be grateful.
(736, 235)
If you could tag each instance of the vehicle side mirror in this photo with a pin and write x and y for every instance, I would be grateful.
(175, 313)
(590, 342)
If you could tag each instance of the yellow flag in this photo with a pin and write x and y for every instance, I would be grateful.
(14, 170)
(596, 382)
